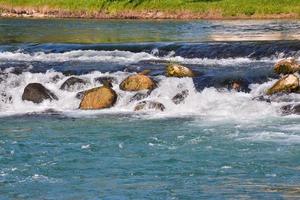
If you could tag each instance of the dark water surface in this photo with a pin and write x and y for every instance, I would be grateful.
(108, 31)
(217, 144)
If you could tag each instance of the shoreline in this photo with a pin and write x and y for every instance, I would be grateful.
(134, 15)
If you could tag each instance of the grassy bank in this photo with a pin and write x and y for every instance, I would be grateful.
(206, 9)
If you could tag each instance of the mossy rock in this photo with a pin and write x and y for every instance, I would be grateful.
(176, 70)
(288, 83)
(98, 98)
(137, 82)
(287, 66)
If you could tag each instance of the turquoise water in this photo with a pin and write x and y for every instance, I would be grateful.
(217, 144)
(120, 157)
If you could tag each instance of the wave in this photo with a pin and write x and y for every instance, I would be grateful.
(116, 56)
(210, 50)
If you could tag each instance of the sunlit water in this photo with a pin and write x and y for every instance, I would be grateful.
(218, 143)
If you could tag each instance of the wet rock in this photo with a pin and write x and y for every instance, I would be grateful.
(262, 98)
(47, 112)
(180, 97)
(287, 66)
(2, 76)
(106, 80)
(5, 98)
(139, 96)
(98, 98)
(149, 105)
(176, 70)
(55, 78)
(290, 109)
(37, 93)
(238, 85)
(137, 82)
(69, 73)
(72, 84)
(288, 83)
(80, 95)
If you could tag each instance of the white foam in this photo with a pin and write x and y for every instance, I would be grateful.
(210, 103)
(273, 136)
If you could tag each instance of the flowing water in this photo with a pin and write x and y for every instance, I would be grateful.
(218, 143)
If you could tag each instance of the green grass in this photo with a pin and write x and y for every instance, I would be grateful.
(226, 8)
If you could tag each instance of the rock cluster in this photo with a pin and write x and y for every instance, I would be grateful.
(141, 85)
(289, 82)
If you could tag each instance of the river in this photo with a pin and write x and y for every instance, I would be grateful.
(217, 144)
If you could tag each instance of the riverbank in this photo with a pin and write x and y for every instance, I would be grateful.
(151, 9)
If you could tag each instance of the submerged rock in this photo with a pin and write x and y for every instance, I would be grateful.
(47, 112)
(262, 98)
(149, 105)
(180, 97)
(290, 109)
(80, 95)
(176, 70)
(288, 83)
(55, 78)
(106, 80)
(239, 85)
(139, 96)
(37, 93)
(5, 97)
(287, 66)
(98, 98)
(73, 83)
(137, 82)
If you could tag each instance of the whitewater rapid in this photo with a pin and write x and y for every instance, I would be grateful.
(210, 102)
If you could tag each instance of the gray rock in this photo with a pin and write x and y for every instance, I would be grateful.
(37, 93)
(80, 95)
(106, 80)
(139, 96)
(290, 109)
(151, 105)
(180, 97)
(72, 82)
(262, 98)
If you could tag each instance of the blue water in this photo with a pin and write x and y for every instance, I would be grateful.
(218, 144)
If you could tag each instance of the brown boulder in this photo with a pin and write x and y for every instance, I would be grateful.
(287, 66)
(98, 98)
(176, 70)
(288, 83)
(137, 82)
